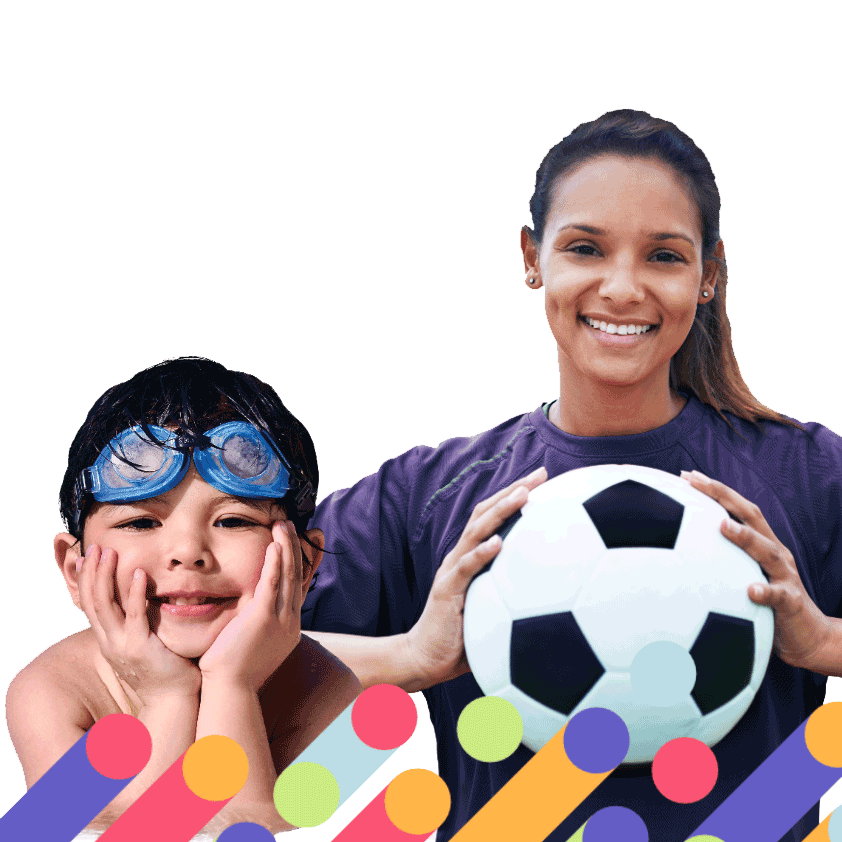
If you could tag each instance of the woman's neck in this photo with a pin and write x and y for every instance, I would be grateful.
(597, 410)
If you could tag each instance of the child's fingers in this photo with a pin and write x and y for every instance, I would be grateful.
(293, 573)
(266, 591)
(86, 592)
(137, 623)
(108, 612)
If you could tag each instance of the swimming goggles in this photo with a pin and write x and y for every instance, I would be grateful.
(234, 457)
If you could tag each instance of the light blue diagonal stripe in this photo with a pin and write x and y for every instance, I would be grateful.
(344, 754)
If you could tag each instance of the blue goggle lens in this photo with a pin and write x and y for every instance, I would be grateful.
(239, 460)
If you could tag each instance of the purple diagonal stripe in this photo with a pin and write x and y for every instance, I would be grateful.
(775, 796)
(63, 800)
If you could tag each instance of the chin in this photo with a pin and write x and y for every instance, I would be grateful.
(186, 648)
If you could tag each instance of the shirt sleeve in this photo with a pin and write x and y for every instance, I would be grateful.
(368, 580)
(825, 460)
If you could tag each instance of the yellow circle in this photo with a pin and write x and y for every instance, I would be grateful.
(823, 734)
(417, 801)
(215, 768)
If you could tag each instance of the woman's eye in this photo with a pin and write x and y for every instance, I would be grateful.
(584, 250)
(667, 257)
(140, 523)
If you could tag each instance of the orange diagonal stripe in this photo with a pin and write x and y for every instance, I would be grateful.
(821, 833)
(535, 801)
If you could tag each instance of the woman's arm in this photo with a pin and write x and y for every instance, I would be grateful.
(433, 650)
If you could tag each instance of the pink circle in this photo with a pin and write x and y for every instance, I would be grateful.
(684, 770)
(384, 716)
(118, 746)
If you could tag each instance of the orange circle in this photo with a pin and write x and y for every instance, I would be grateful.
(823, 734)
(417, 801)
(215, 768)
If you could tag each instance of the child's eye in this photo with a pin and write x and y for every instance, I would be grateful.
(232, 522)
(139, 523)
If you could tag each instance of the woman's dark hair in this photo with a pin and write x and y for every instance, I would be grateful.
(705, 364)
(191, 395)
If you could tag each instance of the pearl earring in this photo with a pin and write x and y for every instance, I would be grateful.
(705, 294)
(530, 280)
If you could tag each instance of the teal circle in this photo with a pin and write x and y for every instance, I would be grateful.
(306, 794)
(834, 826)
(662, 674)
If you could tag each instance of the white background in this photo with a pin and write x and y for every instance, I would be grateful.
(329, 195)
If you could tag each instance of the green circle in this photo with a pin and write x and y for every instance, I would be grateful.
(490, 729)
(579, 835)
(704, 838)
(306, 794)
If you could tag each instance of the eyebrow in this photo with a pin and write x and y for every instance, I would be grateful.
(659, 235)
(262, 504)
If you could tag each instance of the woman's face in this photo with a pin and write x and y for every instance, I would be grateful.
(622, 245)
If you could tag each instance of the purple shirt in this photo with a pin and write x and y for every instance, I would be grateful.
(392, 530)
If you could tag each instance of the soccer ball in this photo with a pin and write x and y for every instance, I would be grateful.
(601, 564)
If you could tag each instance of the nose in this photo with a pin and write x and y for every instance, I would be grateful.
(622, 282)
(187, 548)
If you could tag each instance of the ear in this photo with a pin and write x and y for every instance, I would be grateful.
(711, 273)
(530, 257)
(314, 556)
(67, 552)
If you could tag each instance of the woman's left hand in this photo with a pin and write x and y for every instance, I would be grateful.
(268, 627)
(800, 627)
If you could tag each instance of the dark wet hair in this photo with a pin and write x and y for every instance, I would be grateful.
(191, 395)
(705, 364)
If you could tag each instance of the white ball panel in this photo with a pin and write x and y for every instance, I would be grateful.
(545, 559)
(638, 596)
(487, 630)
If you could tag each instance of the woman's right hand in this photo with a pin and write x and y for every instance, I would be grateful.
(435, 644)
(137, 655)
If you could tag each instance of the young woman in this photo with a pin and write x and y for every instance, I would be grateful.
(627, 250)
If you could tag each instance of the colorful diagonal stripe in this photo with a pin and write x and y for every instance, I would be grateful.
(81, 782)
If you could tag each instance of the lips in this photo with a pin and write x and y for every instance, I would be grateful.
(205, 611)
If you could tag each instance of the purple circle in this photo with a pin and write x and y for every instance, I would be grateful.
(246, 832)
(596, 740)
(615, 823)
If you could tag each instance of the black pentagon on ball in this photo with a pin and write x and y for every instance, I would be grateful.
(552, 661)
(724, 656)
(632, 514)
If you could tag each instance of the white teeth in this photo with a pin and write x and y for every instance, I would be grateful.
(196, 600)
(622, 330)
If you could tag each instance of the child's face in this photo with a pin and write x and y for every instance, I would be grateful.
(193, 539)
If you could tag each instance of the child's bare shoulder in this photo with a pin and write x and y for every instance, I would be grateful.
(53, 701)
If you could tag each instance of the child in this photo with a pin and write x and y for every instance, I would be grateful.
(187, 494)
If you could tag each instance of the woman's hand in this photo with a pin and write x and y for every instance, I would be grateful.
(435, 644)
(268, 627)
(136, 654)
(801, 629)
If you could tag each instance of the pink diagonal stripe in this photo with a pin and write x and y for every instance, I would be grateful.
(373, 823)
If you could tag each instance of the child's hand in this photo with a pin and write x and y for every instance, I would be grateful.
(435, 644)
(268, 627)
(136, 654)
